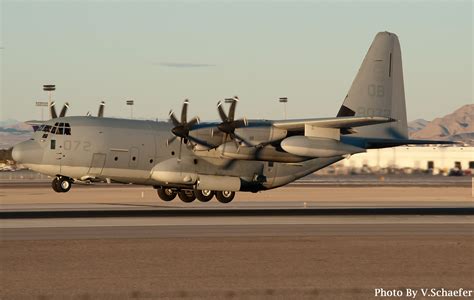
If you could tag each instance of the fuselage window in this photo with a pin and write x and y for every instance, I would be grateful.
(53, 144)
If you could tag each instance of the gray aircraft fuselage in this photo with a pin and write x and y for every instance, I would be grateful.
(127, 151)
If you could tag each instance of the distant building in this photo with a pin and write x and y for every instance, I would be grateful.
(437, 159)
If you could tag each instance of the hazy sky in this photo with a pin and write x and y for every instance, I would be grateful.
(160, 52)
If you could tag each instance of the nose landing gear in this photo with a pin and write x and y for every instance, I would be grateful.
(61, 184)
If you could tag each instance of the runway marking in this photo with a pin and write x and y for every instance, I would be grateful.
(234, 212)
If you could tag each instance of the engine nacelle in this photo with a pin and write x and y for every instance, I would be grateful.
(317, 147)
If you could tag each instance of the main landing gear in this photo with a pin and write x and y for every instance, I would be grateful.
(188, 195)
(61, 184)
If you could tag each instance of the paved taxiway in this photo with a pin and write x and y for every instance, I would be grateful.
(115, 242)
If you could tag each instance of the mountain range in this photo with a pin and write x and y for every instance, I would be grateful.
(456, 126)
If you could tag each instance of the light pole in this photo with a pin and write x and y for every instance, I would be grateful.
(42, 104)
(131, 103)
(49, 88)
(284, 100)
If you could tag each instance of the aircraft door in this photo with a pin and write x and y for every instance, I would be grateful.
(58, 153)
(53, 156)
(133, 163)
(97, 164)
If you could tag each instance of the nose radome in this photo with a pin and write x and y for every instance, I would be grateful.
(27, 152)
(17, 152)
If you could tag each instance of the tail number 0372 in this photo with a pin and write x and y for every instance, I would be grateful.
(77, 145)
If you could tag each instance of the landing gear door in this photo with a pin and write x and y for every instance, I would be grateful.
(97, 164)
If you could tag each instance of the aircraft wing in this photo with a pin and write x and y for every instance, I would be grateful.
(341, 122)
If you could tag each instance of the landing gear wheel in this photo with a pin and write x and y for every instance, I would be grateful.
(166, 194)
(55, 185)
(186, 196)
(61, 184)
(225, 196)
(204, 195)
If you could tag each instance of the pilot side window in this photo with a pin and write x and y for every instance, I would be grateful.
(67, 129)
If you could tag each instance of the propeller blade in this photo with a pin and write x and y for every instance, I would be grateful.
(173, 119)
(64, 110)
(224, 141)
(100, 113)
(235, 135)
(240, 123)
(184, 111)
(221, 112)
(52, 110)
(232, 109)
(180, 147)
(170, 140)
(193, 122)
(237, 145)
(200, 142)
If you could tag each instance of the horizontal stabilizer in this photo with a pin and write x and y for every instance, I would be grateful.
(341, 122)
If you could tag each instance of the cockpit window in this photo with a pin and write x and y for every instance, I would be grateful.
(58, 128)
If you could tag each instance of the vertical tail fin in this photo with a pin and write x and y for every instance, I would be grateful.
(378, 90)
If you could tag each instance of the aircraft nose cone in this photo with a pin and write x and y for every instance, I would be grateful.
(28, 151)
(17, 152)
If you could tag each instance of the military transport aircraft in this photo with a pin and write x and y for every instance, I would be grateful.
(194, 159)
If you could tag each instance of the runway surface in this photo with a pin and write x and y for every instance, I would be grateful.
(102, 242)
